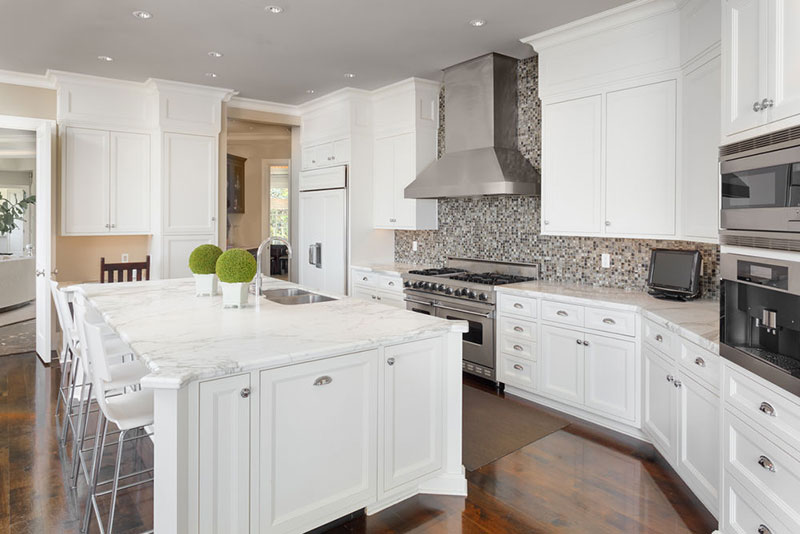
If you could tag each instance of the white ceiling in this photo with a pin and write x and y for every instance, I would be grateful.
(311, 45)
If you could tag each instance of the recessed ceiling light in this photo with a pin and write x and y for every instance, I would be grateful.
(477, 23)
(211, 74)
(274, 9)
(105, 58)
(144, 15)
(310, 91)
(215, 54)
(349, 75)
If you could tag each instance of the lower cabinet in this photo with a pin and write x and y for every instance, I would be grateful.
(561, 364)
(659, 413)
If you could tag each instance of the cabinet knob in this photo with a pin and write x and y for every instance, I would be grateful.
(608, 223)
(392, 220)
(113, 225)
(333, 158)
(767, 409)
(323, 381)
(364, 279)
(677, 383)
(579, 341)
(764, 529)
(546, 222)
(700, 361)
(40, 272)
(518, 367)
(767, 103)
(756, 106)
(585, 343)
(766, 463)
(245, 393)
(670, 378)
(390, 361)
(108, 225)
(313, 161)
(213, 219)
(659, 338)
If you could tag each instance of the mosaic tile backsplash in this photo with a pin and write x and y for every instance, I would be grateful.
(506, 228)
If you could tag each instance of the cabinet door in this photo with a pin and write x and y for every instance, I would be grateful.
(744, 54)
(130, 183)
(784, 58)
(571, 186)
(561, 364)
(190, 184)
(383, 183)
(364, 293)
(610, 377)
(322, 229)
(659, 414)
(405, 171)
(309, 157)
(341, 152)
(392, 298)
(175, 253)
(640, 160)
(412, 411)
(701, 135)
(698, 439)
(224, 456)
(85, 186)
(302, 408)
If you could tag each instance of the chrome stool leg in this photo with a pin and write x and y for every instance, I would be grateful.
(115, 484)
(83, 419)
(71, 396)
(97, 457)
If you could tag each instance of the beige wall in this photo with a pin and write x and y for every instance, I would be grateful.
(21, 101)
(78, 258)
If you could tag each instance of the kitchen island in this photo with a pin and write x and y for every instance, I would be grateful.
(284, 418)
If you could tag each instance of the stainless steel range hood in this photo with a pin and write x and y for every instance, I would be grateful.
(481, 156)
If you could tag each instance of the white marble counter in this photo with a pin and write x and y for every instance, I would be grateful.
(697, 320)
(391, 269)
(183, 338)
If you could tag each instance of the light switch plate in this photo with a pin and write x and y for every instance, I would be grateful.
(124, 257)
(414, 246)
(605, 260)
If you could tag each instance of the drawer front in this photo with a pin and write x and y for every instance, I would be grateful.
(365, 278)
(612, 321)
(764, 405)
(745, 515)
(522, 306)
(703, 364)
(517, 372)
(762, 465)
(511, 326)
(390, 283)
(557, 312)
(518, 347)
(659, 337)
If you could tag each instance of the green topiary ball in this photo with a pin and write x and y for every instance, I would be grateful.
(236, 266)
(203, 259)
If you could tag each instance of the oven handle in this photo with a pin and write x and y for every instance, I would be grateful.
(484, 315)
(418, 302)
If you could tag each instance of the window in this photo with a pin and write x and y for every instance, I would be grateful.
(279, 201)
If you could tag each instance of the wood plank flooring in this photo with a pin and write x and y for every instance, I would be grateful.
(581, 479)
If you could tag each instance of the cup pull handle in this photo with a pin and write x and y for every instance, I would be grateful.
(517, 305)
(766, 463)
(518, 367)
(700, 361)
(518, 329)
(518, 348)
(562, 313)
(323, 381)
(767, 409)
(609, 320)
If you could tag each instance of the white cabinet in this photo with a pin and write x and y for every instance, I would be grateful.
(106, 182)
(571, 186)
(561, 364)
(175, 251)
(224, 455)
(610, 376)
(658, 419)
(190, 185)
(412, 411)
(326, 154)
(383, 288)
(640, 160)
(301, 410)
(783, 86)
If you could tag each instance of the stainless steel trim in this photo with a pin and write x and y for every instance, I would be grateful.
(729, 270)
(415, 301)
(759, 161)
(323, 381)
(761, 368)
(462, 310)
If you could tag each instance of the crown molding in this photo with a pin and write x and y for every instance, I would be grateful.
(192, 88)
(264, 106)
(26, 79)
(337, 96)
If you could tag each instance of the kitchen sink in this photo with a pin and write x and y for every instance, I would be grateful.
(269, 294)
(293, 296)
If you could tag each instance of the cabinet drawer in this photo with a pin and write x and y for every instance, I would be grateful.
(390, 283)
(615, 322)
(515, 305)
(659, 337)
(511, 326)
(562, 313)
(763, 465)
(763, 404)
(365, 278)
(517, 372)
(701, 363)
(745, 515)
(521, 348)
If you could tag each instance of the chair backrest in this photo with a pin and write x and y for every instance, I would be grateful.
(95, 353)
(64, 317)
(141, 269)
(98, 367)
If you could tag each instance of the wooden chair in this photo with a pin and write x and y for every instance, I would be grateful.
(122, 268)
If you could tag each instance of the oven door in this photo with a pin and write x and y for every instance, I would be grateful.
(419, 303)
(479, 339)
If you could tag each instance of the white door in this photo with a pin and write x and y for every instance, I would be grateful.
(224, 456)
(571, 186)
(84, 205)
(45, 247)
(698, 439)
(405, 171)
(561, 365)
(610, 377)
(783, 85)
(640, 160)
(130, 183)
(383, 183)
(323, 240)
(412, 411)
(301, 409)
(745, 54)
(659, 414)
(190, 184)
(701, 136)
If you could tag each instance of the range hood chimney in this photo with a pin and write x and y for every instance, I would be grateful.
(481, 156)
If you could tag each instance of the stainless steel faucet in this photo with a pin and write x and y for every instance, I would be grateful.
(261, 247)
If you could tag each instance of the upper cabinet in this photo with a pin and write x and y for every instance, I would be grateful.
(326, 154)
(189, 184)
(105, 186)
(761, 52)
(405, 142)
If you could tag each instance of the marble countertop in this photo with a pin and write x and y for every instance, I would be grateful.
(183, 338)
(395, 269)
(696, 320)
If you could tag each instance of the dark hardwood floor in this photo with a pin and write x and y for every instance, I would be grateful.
(581, 479)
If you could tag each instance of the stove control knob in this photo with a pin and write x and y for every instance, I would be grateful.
(417, 285)
(427, 285)
(459, 292)
(440, 287)
(483, 296)
(448, 291)
(471, 294)
(406, 284)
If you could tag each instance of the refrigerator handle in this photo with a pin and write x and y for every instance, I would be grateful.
(311, 252)
(318, 255)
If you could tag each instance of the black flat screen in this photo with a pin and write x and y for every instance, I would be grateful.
(674, 269)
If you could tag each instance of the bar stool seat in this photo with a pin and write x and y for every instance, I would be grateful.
(132, 410)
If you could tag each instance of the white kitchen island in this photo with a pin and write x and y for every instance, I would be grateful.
(286, 418)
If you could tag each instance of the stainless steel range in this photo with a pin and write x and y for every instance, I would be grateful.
(464, 290)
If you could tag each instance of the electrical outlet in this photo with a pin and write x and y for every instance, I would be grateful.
(124, 257)
(605, 260)
(414, 246)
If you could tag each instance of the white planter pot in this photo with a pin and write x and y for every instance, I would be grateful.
(234, 295)
(205, 285)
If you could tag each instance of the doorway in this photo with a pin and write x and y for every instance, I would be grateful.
(276, 212)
